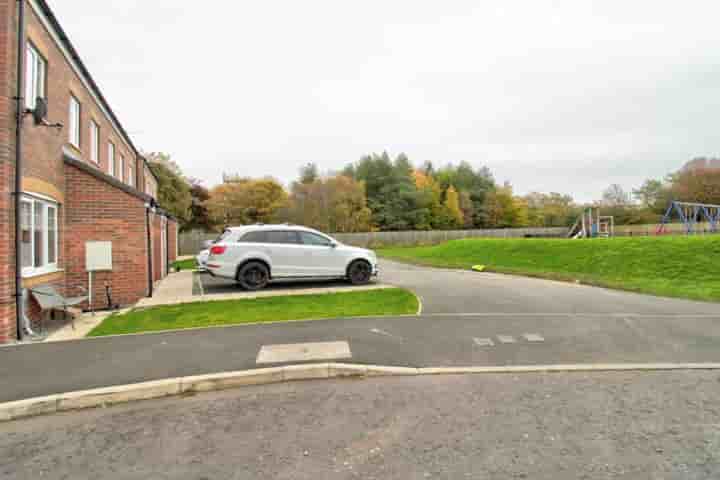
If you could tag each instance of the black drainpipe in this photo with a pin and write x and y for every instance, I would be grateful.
(18, 165)
(149, 245)
(167, 246)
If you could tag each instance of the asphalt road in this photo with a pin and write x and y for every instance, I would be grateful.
(490, 315)
(620, 425)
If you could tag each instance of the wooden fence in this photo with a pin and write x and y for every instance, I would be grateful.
(191, 243)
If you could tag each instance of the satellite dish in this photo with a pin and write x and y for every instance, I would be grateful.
(40, 111)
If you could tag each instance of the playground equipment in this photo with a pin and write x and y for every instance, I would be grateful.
(693, 215)
(591, 225)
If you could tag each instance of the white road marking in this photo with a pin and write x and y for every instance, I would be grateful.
(383, 332)
(295, 352)
(533, 337)
(484, 342)
(506, 338)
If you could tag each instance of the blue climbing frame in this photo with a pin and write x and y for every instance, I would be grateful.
(691, 214)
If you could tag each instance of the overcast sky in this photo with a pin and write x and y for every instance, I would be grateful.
(566, 96)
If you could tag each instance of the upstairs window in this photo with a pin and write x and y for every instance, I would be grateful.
(35, 76)
(74, 126)
(121, 169)
(111, 159)
(131, 174)
(94, 142)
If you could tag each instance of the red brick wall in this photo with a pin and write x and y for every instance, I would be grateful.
(43, 145)
(98, 211)
(156, 247)
(7, 170)
(172, 239)
(90, 209)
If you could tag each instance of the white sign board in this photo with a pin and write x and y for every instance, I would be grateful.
(98, 256)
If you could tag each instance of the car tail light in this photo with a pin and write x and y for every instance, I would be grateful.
(218, 250)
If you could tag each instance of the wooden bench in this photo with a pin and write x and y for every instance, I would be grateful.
(50, 299)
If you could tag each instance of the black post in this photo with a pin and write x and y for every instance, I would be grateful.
(18, 165)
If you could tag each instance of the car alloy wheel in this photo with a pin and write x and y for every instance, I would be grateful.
(254, 276)
(359, 272)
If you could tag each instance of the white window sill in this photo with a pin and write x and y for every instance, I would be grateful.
(38, 272)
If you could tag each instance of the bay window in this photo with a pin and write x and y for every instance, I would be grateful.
(38, 235)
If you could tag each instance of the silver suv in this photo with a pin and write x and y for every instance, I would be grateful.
(253, 255)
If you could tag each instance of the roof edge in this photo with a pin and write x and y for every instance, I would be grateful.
(70, 158)
(55, 23)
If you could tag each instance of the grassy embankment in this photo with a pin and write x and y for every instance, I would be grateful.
(673, 266)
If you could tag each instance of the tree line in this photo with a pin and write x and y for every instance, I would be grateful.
(382, 193)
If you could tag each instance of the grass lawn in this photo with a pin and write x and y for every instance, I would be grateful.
(674, 266)
(187, 264)
(390, 301)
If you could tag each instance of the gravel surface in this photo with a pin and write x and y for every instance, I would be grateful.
(539, 426)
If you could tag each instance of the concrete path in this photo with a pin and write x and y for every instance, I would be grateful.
(175, 288)
(188, 286)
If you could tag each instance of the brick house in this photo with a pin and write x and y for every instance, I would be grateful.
(84, 181)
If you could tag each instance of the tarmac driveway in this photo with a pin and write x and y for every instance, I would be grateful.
(206, 285)
(457, 291)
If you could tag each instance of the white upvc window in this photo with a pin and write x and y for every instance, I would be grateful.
(74, 127)
(111, 159)
(39, 235)
(131, 173)
(94, 142)
(121, 168)
(35, 76)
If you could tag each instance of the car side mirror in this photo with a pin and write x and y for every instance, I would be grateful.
(333, 245)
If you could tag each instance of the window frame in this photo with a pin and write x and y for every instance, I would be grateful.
(43, 267)
(75, 122)
(121, 168)
(32, 92)
(94, 142)
(111, 159)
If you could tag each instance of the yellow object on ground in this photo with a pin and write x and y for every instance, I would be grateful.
(478, 268)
